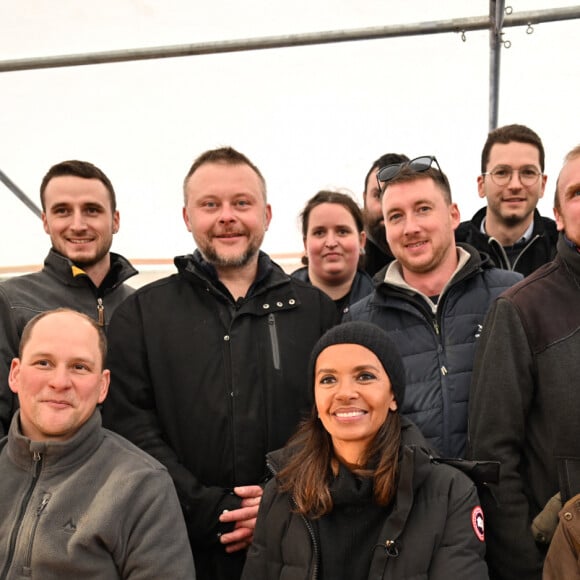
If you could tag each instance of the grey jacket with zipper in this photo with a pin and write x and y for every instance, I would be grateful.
(208, 385)
(59, 284)
(433, 531)
(94, 506)
(437, 342)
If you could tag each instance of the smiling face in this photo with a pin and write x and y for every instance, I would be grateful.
(59, 378)
(227, 213)
(80, 220)
(514, 203)
(333, 244)
(353, 397)
(568, 213)
(420, 226)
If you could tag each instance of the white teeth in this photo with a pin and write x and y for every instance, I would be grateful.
(350, 414)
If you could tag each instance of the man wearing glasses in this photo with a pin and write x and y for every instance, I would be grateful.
(433, 299)
(524, 402)
(510, 229)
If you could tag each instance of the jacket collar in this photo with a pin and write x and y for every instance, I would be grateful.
(570, 256)
(65, 270)
(56, 455)
(538, 221)
(270, 274)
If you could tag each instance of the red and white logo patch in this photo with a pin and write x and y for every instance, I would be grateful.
(477, 523)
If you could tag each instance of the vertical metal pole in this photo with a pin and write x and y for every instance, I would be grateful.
(496, 17)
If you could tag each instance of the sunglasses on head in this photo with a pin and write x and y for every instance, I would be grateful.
(418, 165)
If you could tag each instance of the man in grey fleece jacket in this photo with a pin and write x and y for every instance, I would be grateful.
(76, 500)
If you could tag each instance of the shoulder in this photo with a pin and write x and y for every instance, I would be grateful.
(127, 457)
(545, 225)
(301, 274)
(360, 310)
(500, 277)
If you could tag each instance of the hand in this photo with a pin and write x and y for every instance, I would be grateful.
(245, 518)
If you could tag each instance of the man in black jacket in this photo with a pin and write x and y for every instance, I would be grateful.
(209, 365)
(510, 229)
(524, 401)
(79, 213)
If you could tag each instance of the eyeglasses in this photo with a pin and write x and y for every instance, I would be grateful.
(503, 175)
(418, 165)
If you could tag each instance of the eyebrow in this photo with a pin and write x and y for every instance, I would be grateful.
(356, 368)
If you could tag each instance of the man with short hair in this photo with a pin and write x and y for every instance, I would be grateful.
(377, 253)
(523, 408)
(432, 300)
(76, 500)
(510, 229)
(79, 213)
(209, 365)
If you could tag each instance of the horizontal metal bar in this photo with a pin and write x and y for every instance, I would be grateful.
(286, 41)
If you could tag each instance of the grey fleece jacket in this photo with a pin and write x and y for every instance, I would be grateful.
(94, 506)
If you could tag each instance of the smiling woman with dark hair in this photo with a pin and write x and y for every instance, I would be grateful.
(356, 495)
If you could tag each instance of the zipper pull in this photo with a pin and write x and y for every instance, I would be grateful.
(101, 312)
(37, 458)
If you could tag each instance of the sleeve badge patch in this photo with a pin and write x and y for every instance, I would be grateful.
(477, 523)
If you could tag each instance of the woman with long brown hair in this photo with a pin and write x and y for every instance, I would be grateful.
(356, 495)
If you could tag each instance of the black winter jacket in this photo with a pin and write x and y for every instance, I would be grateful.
(59, 284)
(362, 286)
(438, 346)
(537, 252)
(432, 532)
(209, 385)
(524, 408)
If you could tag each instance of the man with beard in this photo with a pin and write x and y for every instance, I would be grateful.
(79, 213)
(377, 252)
(432, 299)
(209, 365)
(510, 229)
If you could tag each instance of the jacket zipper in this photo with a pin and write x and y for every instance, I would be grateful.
(274, 341)
(39, 510)
(312, 535)
(100, 312)
(37, 459)
(524, 250)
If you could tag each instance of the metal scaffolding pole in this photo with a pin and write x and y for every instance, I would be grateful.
(458, 25)
(20, 194)
(496, 22)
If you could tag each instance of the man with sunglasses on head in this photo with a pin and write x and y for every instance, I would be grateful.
(377, 252)
(510, 229)
(432, 299)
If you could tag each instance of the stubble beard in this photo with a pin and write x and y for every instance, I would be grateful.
(220, 261)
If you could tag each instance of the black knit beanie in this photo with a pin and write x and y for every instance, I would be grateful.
(376, 340)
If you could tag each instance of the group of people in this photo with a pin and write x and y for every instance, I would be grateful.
(265, 425)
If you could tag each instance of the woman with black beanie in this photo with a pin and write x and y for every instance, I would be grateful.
(356, 494)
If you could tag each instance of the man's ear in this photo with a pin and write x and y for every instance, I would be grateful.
(14, 375)
(481, 185)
